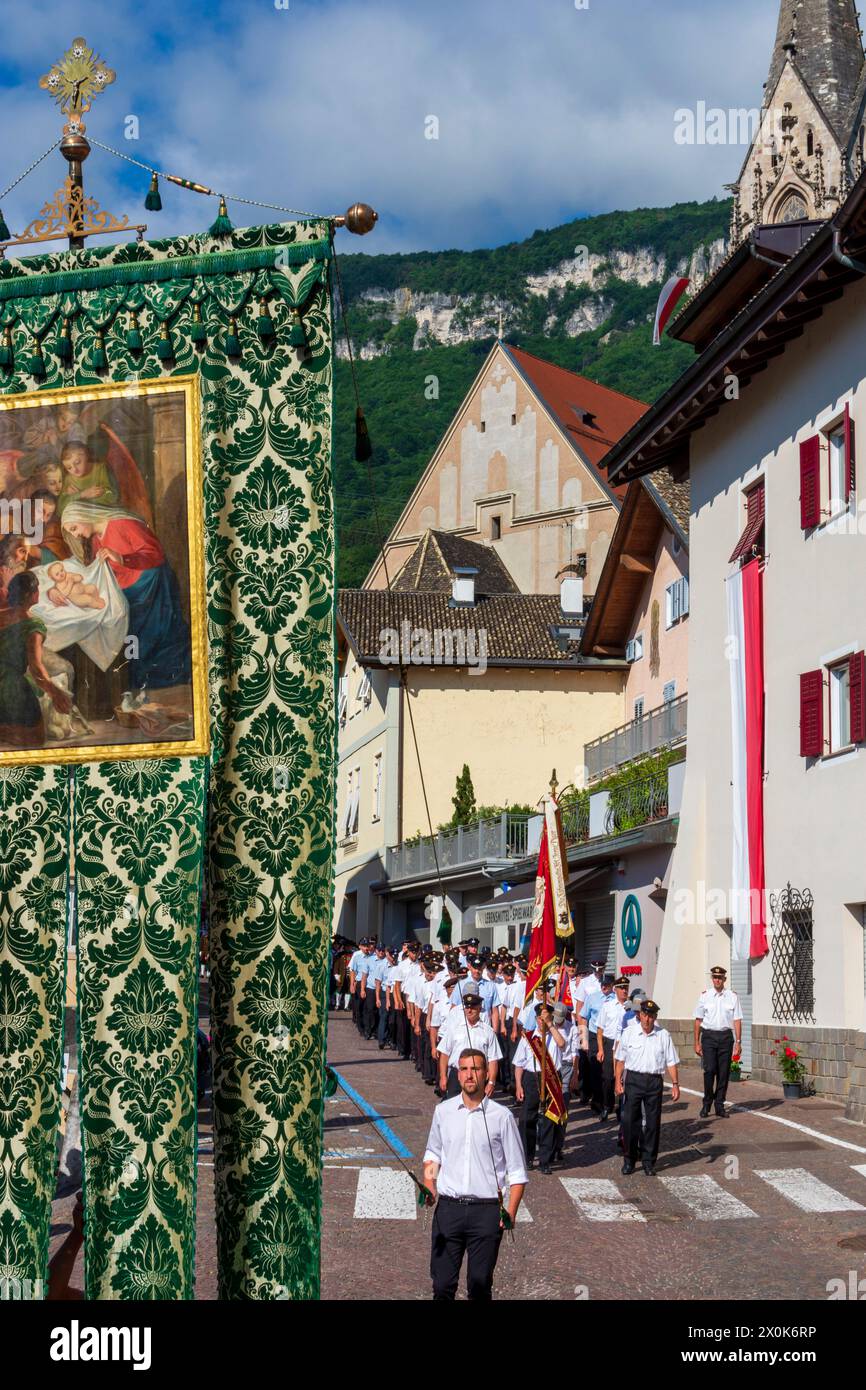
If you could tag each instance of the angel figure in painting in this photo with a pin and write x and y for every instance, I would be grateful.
(86, 479)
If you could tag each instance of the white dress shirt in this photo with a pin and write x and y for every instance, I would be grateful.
(476, 1159)
(441, 1010)
(646, 1052)
(610, 1017)
(718, 1009)
(525, 1057)
(458, 1034)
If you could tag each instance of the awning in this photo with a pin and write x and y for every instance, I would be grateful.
(514, 908)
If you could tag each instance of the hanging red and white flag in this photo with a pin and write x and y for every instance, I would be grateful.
(745, 594)
(668, 301)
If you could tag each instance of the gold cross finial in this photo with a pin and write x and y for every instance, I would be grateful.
(77, 78)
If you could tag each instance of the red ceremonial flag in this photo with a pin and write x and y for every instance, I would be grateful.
(668, 301)
(542, 944)
(552, 1081)
(745, 590)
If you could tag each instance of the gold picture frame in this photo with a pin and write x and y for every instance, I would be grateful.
(139, 504)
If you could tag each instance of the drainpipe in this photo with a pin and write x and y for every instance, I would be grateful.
(848, 261)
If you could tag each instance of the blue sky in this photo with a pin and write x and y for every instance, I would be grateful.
(545, 111)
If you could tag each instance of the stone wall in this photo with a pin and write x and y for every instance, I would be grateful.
(835, 1059)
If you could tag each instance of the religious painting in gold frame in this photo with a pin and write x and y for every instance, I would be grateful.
(102, 601)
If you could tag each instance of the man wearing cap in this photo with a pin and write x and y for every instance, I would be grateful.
(356, 959)
(465, 1027)
(372, 991)
(592, 1007)
(440, 1011)
(390, 976)
(423, 1000)
(507, 1033)
(640, 1059)
(473, 1153)
(563, 1023)
(485, 989)
(718, 1035)
(589, 984)
(535, 1128)
(406, 971)
(608, 1026)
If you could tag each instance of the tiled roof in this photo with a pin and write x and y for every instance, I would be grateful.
(517, 626)
(568, 396)
(431, 565)
(675, 496)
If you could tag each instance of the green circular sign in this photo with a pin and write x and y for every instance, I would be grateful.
(631, 926)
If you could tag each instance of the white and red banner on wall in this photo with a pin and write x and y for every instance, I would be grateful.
(745, 594)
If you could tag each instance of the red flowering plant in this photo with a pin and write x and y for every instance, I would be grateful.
(790, 1063)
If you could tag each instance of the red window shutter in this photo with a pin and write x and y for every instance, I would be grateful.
(753, 532)
(812, 714)
(850, 469)
(810, 482)
(857, 687)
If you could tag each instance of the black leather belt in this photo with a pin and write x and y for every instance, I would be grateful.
(471, 1201)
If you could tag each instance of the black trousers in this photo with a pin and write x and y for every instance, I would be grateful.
(537, 1132)
(583, 1072)
(717, 1046)
(608, 1093)
(428, 1061)
(643, 1094)
(369, 1014)
(504, 1074)
(595, 1073)
(559, 1130)
(464, 1228)
(453, 1086)
(404, 1033)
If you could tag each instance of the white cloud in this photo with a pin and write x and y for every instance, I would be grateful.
(545, 111)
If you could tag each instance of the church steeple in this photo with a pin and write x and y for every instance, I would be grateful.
(802, 159)
(823, 39)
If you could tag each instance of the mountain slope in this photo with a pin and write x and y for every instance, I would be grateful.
(582, 295)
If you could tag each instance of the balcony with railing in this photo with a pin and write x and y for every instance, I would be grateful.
(663, 727)
(637, 802)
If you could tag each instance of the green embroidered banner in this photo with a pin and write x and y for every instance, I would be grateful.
(34, 847)
(251, 316)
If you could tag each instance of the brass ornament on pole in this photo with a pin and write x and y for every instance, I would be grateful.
(73, 82)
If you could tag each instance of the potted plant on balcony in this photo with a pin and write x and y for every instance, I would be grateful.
(791, 1066)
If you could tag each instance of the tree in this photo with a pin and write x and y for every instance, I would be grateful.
(463, 799)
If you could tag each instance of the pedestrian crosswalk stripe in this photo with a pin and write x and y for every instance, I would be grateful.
(859, 1168)
(385, 1194)
(599, 1199)
(706, 1199)
(806, 1191)
(522, 1210)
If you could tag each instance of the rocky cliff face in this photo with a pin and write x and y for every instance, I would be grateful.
(450, 319)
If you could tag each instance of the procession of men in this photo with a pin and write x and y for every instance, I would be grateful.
(585, 1038)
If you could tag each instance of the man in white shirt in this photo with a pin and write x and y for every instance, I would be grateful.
(473, 1152)
(406, 970)
(718, 1038)
(535, 1127)
(608, 1028)
(465, 1027)
(586, 986)
(640, 1059)
(356, 960)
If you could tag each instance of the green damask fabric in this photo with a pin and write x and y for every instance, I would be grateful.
(270, 592)
(138, 847)
(34, 848)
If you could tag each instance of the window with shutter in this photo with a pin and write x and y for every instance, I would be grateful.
(857, 692)
(752, 540)
(684, 602)
(850, 462)
(812, 714)
(810, 482)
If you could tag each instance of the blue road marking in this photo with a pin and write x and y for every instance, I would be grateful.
(384, 1129)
